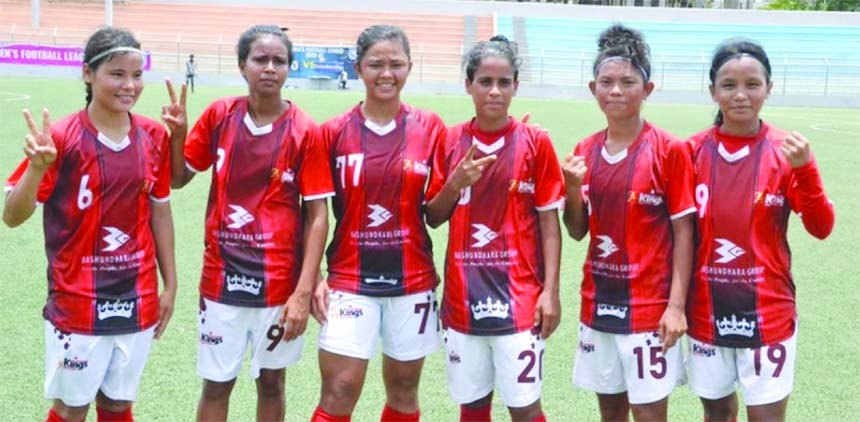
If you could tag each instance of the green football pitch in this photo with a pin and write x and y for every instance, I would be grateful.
(827, 377)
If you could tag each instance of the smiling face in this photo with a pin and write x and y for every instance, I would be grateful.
(492, 88)
(384, 69)
(116, 83)
(619, 88)
(267, 66)
(740, 88)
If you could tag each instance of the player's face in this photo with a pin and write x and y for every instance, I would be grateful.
(266, 67)
(740, 88)
(492, 88)
(384, 69)
(619, 88)
(117, 83)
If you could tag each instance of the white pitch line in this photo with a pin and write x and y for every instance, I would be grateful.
(827, 127)
(12, 96)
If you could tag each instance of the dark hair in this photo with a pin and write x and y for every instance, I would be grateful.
(253, 33)
(498, 46)
(102, 40)
(619, 41)
(734, 48)
(376, 33)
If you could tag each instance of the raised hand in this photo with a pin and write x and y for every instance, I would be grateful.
(795, 147)
(173, 115)
(574, 170)
(39, 146)
(470, 169)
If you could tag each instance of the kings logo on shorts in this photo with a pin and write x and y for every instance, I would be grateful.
(74, 364)
(348, 312)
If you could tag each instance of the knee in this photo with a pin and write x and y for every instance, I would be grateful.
(271, 383)
(111, 405)
(725, 409)
(340, 394)
(213, 390)
(70, 413)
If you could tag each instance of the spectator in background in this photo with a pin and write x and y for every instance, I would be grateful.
(341, 79)
(190, 71)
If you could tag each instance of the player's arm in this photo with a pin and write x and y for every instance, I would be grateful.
(295, 316)
(548, 310)
(811, 202)
(467, 172)
(575, 214)
(41, 153)
(673, 323)
(175, 118)
(161, 224)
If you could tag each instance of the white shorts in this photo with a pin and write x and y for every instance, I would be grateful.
(227, 330)
(77, 366)
(765, 374)
(608, 363)
(476, 364)
(408, 325)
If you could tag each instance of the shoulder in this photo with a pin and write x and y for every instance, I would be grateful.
(300, 117)
(336, 123)
(424, 116)
(696, 140)
(154, 128)
(773, 133)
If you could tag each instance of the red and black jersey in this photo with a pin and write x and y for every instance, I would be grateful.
(742, 293)
(494, 268)
(102, 272)
(631, 198)
(380, 245)
(254, 224)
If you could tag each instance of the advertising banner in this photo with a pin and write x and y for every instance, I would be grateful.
(45, 55)
(315, 62)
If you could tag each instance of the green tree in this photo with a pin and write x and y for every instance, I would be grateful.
(828, 5)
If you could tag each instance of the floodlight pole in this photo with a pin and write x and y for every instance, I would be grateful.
(34, 13)
(109, 12)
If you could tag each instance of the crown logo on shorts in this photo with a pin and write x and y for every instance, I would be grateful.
(736, 327)
(490, 309)
(238, 282)
(117, 308)
(616, 311)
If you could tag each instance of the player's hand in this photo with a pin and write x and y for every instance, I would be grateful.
(673, 325)
(165, 310)
(319, 308)
(527, 116)
(39, 146)
(574, 169)
(173, 115)
(294, 318)
(795, 147)
(547, 314)
(469, 170)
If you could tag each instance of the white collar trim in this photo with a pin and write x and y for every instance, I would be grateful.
(114, 146)
(613, 159)
(380, 130)
(732, 157)
(491, 148)
(254, 129)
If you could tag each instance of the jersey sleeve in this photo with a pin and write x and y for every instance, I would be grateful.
(161, 189)
(678, 178)
(439, 172)
(199, 151)
(807, 198)
(314, 171)
(549, 181)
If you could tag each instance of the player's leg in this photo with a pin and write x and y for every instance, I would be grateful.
(346, 342)
(597, 367)
(518, 362)
(767, 378)
(713, 374)
(223, 338)
(650, 375)
(75, 365)
(471, 374)
(270, 354)
(119, 387)
(410, 331)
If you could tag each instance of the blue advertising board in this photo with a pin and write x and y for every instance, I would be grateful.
(322, 61)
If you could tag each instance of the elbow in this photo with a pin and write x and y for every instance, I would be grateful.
(10, 220)
(823, 232)
(433, 222)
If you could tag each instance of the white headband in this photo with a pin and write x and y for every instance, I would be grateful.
(623, 59)
(116, 50)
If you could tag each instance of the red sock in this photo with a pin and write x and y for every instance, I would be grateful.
(321, 416)
(53, 416)
(540, 418)
(707, 419)
(475, 414)
(104, 415)
(391, 415)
